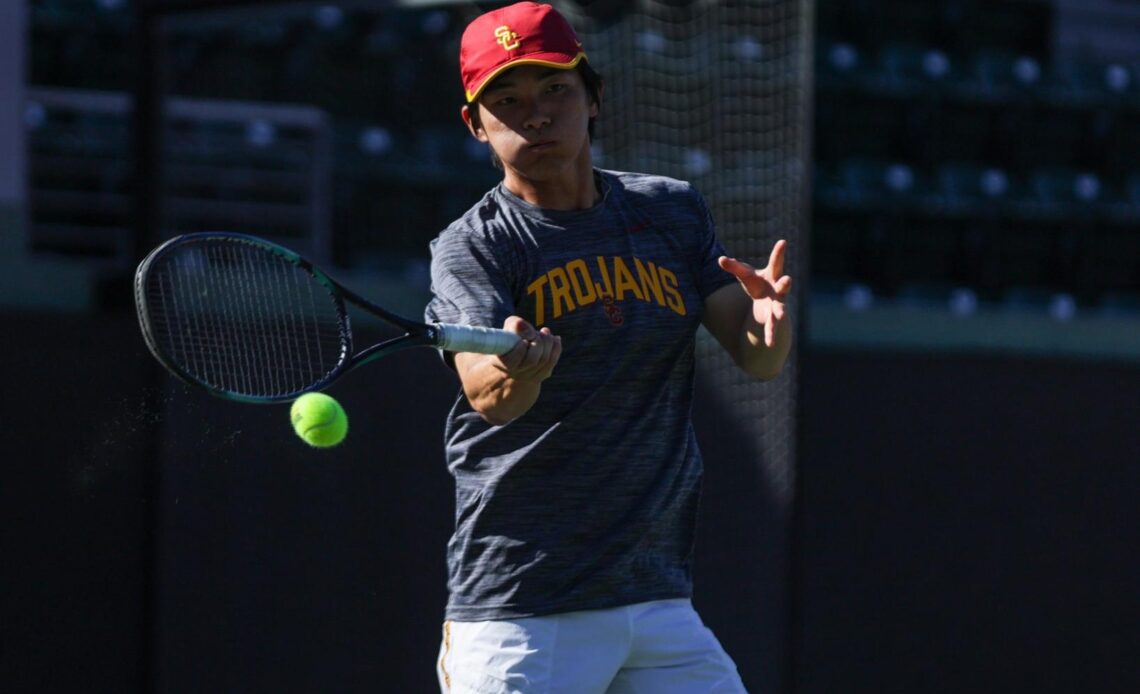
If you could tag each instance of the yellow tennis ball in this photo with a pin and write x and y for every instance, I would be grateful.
(319, 420)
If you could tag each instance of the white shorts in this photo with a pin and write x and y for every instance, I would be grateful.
(659, 647)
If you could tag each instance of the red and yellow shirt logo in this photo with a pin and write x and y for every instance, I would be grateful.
(582, 282)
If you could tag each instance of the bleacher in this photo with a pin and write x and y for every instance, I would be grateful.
(957, 151)
(334, 130)
(956, 148)
(258, 168)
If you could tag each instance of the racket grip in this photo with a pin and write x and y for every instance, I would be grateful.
(466, 338)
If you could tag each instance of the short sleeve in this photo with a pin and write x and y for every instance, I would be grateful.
(469, 283)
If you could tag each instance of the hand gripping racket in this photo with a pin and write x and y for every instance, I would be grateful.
(251, 321)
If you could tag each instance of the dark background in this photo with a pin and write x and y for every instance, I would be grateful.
(966, 524)
(964, 517)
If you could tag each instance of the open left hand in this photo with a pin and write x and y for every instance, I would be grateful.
(768, 287)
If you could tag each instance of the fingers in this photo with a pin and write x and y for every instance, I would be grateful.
(738, 269)
(770, 314)
(536, 354)
(770, 282)
(526, 332)
(545, 352)
(776, 259)
(520, 327)
(750, 278)
(540, 356)
(778, 310)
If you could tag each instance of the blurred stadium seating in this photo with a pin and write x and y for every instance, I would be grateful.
(946, 134)
(377, 167)
(260, 168)
(956, 146)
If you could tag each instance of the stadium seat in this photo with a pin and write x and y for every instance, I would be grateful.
(862, 181)
(1026, 298)
(840, 63)
(974, 188)
(1092, 82)
(1118, 79)
(1066, 187)
(909, 66)
(932, 294)
(876, 184)
(1054, 302)
(1006, 74)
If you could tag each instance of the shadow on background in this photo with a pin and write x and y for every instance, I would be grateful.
(966, 524)
(279, 567)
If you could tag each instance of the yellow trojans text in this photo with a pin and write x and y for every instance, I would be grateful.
(583, 281)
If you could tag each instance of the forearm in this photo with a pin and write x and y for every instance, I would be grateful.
(503, 387)
(757, 358)
(497, 396)
(741, 325)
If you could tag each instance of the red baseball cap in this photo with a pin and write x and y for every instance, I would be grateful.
(525, 33)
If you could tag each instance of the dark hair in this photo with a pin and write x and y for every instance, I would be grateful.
(590, 78)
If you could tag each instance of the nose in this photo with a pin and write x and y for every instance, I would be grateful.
(536, 119)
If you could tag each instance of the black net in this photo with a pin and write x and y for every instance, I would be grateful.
(717, 93)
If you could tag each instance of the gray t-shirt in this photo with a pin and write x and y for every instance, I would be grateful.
(589, 499)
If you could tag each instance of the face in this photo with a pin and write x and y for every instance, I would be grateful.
(535, 119)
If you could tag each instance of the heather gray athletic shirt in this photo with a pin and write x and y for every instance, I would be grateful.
(588, 500)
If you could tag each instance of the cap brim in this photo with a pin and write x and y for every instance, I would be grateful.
(554, 60)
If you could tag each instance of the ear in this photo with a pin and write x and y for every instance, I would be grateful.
(472, 123)
(596, 106)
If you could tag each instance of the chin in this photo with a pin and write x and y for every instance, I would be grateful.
(541, 168)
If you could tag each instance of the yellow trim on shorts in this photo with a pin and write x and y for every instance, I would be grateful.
(443, 656)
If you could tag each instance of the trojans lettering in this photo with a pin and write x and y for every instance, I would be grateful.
(581, 282)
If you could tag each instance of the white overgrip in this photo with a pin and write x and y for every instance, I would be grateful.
(466, 338)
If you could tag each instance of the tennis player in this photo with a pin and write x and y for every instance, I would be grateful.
(576, 467)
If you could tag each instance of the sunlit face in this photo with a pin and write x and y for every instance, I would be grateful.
(535, 119)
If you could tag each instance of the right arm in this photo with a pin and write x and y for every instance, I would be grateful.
(503, 387)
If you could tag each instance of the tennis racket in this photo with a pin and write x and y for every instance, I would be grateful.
(251, 321)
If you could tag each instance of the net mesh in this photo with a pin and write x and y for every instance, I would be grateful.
(241, 319)
(717, 93)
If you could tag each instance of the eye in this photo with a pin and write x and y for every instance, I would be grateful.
(557, 87)
(505, 101)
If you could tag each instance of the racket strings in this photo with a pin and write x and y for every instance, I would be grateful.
(242, 319)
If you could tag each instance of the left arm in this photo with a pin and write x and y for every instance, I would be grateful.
(749, 318)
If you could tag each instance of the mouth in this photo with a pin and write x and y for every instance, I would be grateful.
(541, 145)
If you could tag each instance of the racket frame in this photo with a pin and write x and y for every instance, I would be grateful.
(417, 334)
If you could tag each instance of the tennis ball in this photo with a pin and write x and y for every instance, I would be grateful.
(319, 420)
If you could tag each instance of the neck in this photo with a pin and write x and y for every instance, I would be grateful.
(572, 189)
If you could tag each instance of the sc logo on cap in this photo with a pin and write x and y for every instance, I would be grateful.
(506, 38)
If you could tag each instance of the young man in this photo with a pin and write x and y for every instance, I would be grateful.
(577, 470)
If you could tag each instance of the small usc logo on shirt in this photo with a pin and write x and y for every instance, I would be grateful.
(613, 312)
(506, 38)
